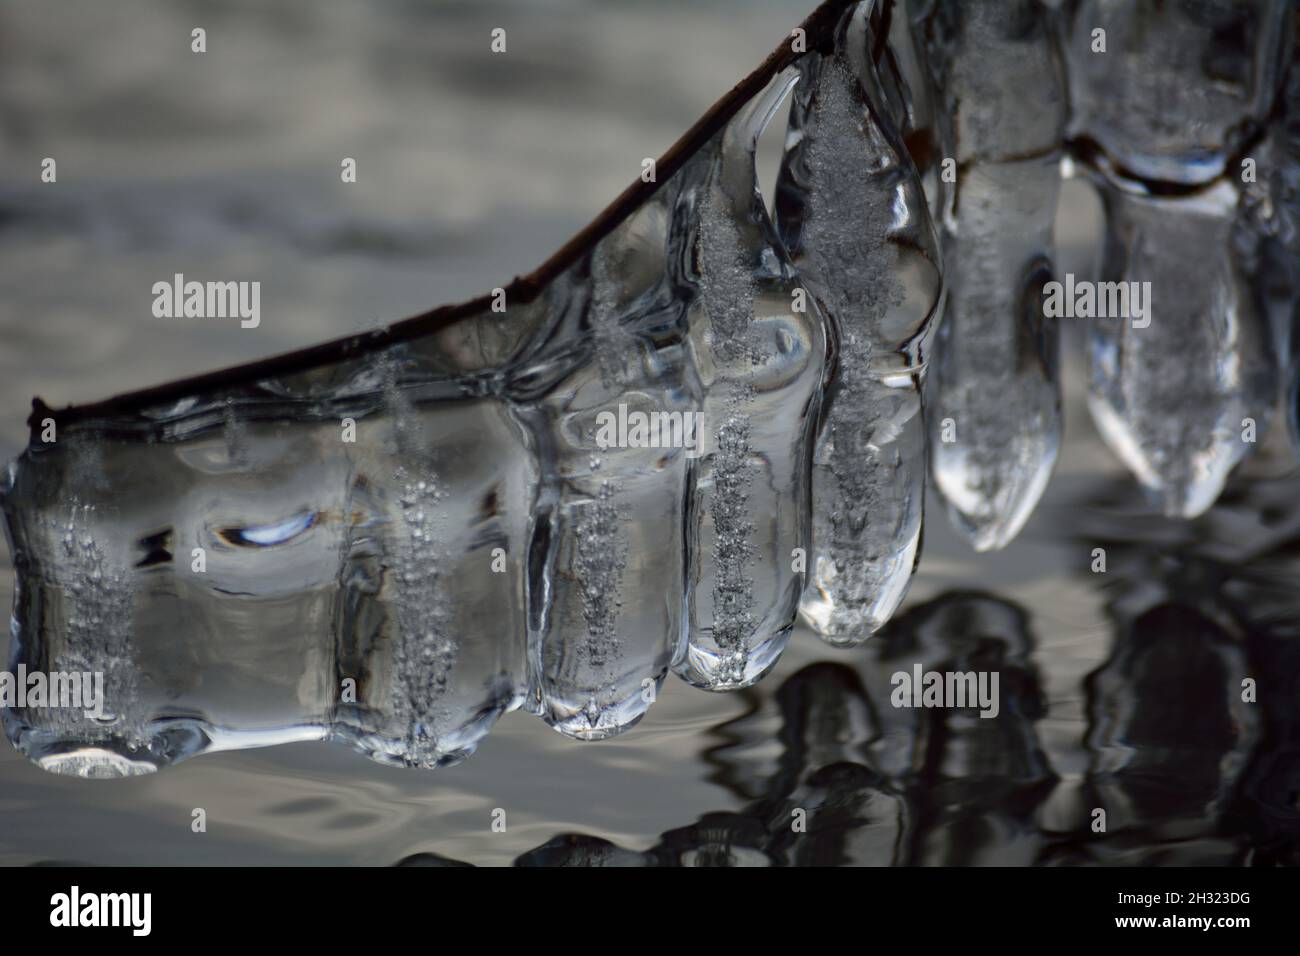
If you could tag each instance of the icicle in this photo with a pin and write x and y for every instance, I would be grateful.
(854, 217)
(758, 347)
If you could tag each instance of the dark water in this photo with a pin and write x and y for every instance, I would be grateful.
(1120, 690)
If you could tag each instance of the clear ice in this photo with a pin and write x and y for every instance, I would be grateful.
(758, 361)
(391, 540)
(1167, 117)
(994, 401)
(853, 214)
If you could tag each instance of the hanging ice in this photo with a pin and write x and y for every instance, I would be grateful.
(607, 545)
(628, 462)
(1181, 394)
(550, 495)
(1180, 399)
(1166, 92)
(1269, 238)
(247, 575)
(853, 215)
(427, 580)
(994, 399)
(995, 405)
(758, 352)
(1267, 235)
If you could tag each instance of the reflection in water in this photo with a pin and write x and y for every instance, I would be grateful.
(857, 781)
(1194, 723)
(1170, 733)
(1188, 766)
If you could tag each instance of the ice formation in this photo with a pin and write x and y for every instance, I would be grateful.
(392, 539)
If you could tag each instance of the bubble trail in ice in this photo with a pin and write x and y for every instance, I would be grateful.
(425, 655)
(94, 603)
(1181, 394)
(853, 215)
(429, 612)
(759, 360)
(77, 599)
(994, 407)
(722, 617)
(608, 546)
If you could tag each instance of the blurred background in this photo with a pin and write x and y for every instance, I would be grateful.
(473, 167)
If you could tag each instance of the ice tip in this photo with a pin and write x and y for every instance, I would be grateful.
(1185, 500)
(990, 539)
(991, 533)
